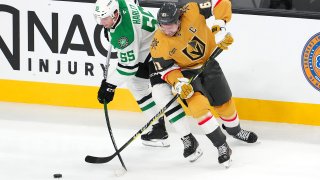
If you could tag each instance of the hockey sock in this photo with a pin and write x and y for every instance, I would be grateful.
(182, 127)
(217, 137)
(231, 122)
(208, 123)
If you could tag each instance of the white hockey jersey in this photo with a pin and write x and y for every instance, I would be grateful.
(131, 38)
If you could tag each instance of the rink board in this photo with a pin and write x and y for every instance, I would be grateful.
(85, 96)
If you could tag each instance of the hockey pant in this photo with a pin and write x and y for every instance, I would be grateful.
(212, 86)
(141, 90)
(162, 94)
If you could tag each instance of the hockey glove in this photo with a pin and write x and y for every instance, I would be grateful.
(106, 92)
(227, 41)
(183, 88)
(218, 25)
(222, 36)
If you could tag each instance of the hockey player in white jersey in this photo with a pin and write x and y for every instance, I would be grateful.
(131, 31)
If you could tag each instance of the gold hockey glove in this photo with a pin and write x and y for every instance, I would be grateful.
(183, 88)
(227, 41)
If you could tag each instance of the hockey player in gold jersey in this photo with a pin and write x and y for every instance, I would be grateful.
(181, 45)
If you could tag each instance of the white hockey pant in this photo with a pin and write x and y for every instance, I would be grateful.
(141, 90)
(162, 94)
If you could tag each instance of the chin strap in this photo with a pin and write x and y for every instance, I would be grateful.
(115, 19)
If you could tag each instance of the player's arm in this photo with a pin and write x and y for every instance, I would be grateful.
(222, 12)
(171, 73)
(126, 67)
(168, 69)
(221, 9)
(123, 71)
(205, 9)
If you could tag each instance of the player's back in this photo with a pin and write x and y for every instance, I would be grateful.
(136, 26)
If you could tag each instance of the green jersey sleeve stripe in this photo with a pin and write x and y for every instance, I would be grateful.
(126, 73)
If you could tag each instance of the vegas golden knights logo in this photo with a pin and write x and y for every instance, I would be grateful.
(195, 49)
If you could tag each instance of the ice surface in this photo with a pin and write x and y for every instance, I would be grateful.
(37, 141)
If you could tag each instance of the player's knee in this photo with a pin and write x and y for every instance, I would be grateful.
(139, 88)
(226, 110)
(198, 105)
(161, 94)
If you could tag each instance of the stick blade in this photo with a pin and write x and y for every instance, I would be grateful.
(97, 160)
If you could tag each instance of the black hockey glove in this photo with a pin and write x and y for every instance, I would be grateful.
(106, 92)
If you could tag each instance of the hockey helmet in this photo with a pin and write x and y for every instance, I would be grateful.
(105, 8)
(168, 13)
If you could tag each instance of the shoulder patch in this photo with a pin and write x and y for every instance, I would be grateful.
(154, 43)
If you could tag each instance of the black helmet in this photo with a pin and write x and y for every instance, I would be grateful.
(168, 13)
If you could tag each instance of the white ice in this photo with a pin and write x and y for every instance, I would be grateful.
(37, 141)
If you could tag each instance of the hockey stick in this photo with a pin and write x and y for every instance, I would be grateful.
(106, 110)
(99, 160)
(111, 134)
(105, 107)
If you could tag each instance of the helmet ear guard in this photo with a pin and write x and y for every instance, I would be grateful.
(168, 13)
(105, 8)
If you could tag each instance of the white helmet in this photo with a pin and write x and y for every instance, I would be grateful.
(105, 8)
